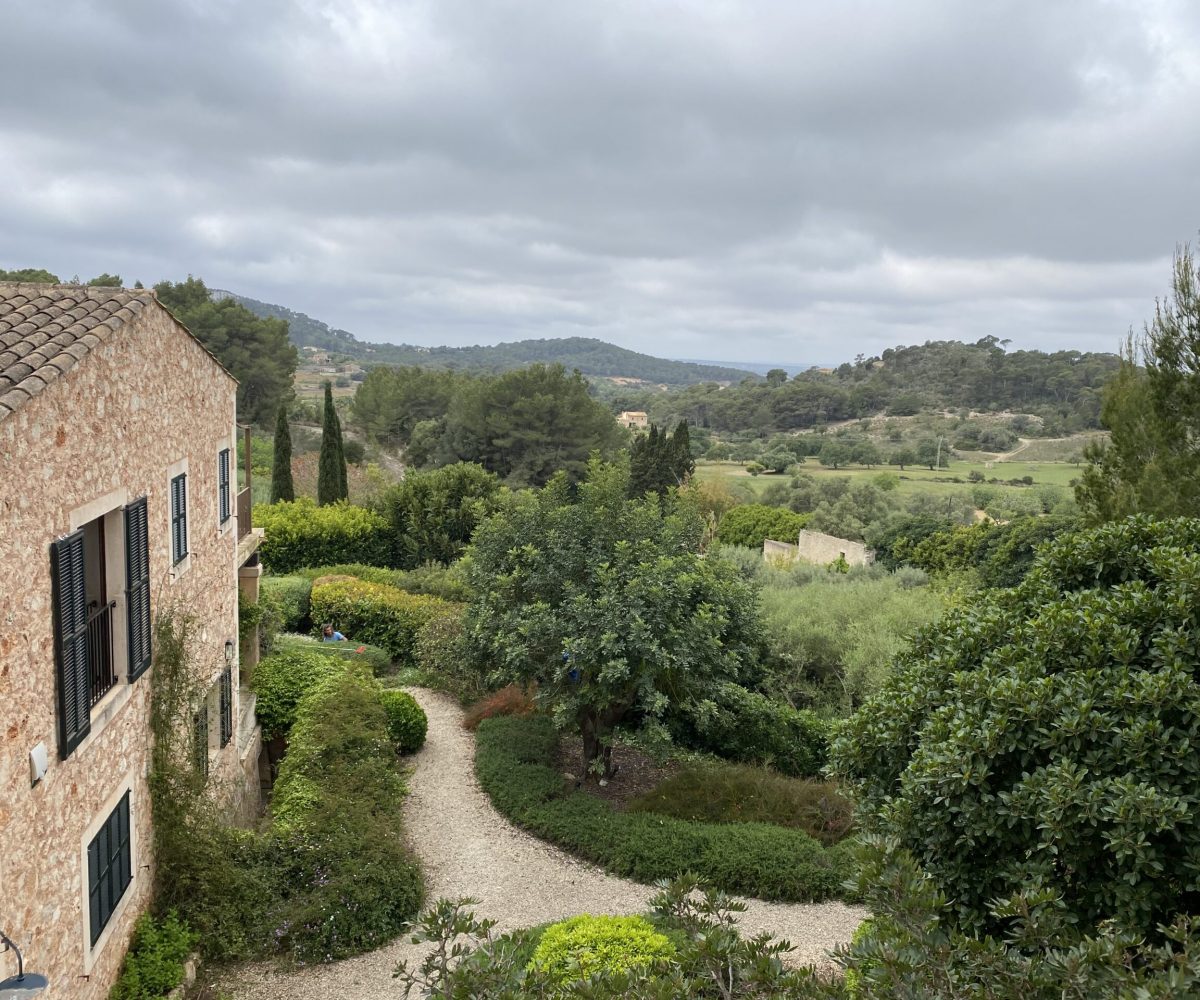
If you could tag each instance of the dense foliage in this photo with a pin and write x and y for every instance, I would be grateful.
(1152, 462)
(406, 721)
(375, 613)
(515, 761)
(433, 515)
(154, 964)
(605, 603)
(751, 524)
(281, 680)
(446, 582)
(282, 487)
(331, 463)
(256, 351)
(377, 661)
(301, 534)
(290, 597)
(659, 461)
(523, 426)
(1040, 740)
(586, 946)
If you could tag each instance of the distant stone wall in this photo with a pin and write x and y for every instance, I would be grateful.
(817, 547)
(774, 551)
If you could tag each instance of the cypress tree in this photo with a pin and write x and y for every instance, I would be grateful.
(282, 487)
(682, 463)
(331, 464)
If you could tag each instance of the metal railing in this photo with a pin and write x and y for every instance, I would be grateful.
(100, 652)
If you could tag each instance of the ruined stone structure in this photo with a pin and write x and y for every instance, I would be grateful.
(118, 501)
(817, 547)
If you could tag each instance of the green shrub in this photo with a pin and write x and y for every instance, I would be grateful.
(349, 882)
(375, 613)
(376, 659)
(1041, 740)
(737, 793)
(447, 582)
(441, 650)
(290, 595)
(406, 721)
(155, 963)
(515, 762)
(300, 534)
(751, 524)
(748, 727)
(282, 680)
(586, 946)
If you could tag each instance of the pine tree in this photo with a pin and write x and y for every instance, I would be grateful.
(282, 487)
(331, 464)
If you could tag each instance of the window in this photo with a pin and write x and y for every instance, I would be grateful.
(179, 537)
(223, 485)
(110, 868)
(226, 706)
(200, 741)
(137, 587)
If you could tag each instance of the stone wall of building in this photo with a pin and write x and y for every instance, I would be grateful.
(817, 547)
(778, 551)
(145, 401)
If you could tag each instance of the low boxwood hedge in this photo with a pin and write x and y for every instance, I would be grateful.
(375, 613)
(406, 721)
(378, 660)
(446, 582)
(281, 680)
(514, 760)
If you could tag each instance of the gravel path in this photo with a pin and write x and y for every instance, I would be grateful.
(468, 849)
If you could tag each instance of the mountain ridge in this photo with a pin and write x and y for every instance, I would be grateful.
(591, 356)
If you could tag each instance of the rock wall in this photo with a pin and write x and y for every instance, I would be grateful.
(817, 547)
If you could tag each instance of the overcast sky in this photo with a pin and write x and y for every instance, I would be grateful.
(792, 181)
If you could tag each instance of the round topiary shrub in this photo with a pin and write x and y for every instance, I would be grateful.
(1041, 740)
(406, 721)
(585, 946)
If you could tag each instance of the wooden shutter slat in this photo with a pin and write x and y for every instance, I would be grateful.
(70, 641)
(137, 587)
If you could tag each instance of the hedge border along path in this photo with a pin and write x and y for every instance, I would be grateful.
(468, 849)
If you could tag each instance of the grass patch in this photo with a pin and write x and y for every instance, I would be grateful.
(737, 793)
(514, 760)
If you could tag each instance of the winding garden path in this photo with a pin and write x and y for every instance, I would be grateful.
(468, 849)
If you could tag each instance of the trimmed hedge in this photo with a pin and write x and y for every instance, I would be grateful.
(290, 596)
(748, 727)
(300, 534)
(406, 720)
(587, 946)
(377, 660)
(348, 880)
(446, 582)
(375, 613)
(514, 760)
(282, 680)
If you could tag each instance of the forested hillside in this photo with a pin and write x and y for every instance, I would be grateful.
(592, 357)
(1063, 388)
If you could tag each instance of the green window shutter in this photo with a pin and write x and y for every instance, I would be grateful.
(137, 587)
(70, 642)
(110, 867)
(223, 485)
(179, 534)
(226, 706)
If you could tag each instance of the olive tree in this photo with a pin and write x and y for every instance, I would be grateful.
(606, 605)
(1042, 739)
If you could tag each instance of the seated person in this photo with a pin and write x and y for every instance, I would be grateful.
(329, 635)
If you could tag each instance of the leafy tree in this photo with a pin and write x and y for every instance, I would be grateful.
(903, 457)
(751, 524)
(433, 515)
(106, 280)
(331, 463)
(932, 454)
(778, 461)
(866, 453)
(776, 377)
(1152, 463)
(256, 351)
(659, 461)
(391, 402)
(37, 275)
(605, 603)
(1039, 742)
(282, 487)
(835, 453)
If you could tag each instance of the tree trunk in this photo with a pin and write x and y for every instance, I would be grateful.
(596, 729)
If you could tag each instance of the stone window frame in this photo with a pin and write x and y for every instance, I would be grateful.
(91, 952)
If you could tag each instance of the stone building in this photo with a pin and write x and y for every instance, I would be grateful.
(635, 420)
(118, 501)
(817, 547)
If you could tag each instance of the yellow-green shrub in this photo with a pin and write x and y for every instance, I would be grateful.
(375, 613)
(586, 946)
(300, 534)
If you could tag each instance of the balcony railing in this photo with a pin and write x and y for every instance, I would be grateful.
(243, 497)
(100, 651)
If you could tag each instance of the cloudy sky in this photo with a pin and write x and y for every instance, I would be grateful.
(791, 181)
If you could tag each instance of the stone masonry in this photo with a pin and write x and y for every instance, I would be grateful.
(140, 402)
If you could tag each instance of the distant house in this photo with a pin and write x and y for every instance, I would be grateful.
(633, 419)
(817, 547)
(118, 500)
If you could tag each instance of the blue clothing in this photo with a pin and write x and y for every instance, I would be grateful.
(336, 637)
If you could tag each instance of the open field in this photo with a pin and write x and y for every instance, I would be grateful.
(912, 479)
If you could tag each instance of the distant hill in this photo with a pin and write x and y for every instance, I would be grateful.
(592, 357)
